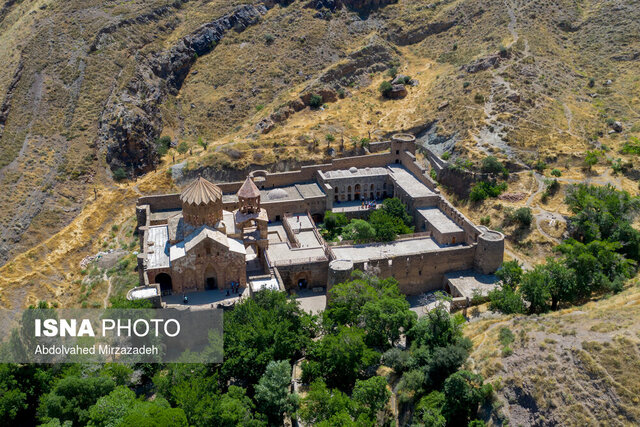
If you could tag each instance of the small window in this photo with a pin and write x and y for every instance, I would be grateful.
(397, 152)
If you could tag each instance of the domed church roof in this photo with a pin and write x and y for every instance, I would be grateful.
(248, 189)
(201, 192)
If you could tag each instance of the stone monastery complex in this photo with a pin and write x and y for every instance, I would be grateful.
(261, 233)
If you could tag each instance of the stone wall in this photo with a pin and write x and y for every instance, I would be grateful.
(315, 273)
(425, 272)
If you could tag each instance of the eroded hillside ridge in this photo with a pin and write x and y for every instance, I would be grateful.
(131, 121)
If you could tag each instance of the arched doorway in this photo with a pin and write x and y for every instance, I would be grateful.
(210, 279)
(164, 280)
(356, 195)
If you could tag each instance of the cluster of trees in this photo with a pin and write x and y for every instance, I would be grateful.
(362, 327)
(383, 225)
(264, 336)
(601, 254)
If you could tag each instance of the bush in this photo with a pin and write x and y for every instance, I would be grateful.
(540, 166)
(269, 38)
(485, 189)
(392, 72)
(478, 98)
(556, 172)
(162, 145)
(396, 359)
(204, 144)
(490, 164)
(330, 138)
(315, 101)
(119, 174)
(183, 147)
(523, 216)
(385, 88)
(446, 155)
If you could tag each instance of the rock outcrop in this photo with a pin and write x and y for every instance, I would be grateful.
(131, 121)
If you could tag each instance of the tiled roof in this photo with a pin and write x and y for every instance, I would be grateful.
(201, 192)
(248, 189)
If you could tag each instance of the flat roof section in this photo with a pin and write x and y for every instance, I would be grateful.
(282, 254)
(157, 247)
(366, 252)
(309, 190)
(355, 172)
(409, 183)
(164, 215)
(439, 220)
(467, 283)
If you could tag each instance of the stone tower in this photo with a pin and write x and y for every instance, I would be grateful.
(201, 203)
(249, 197)
(489, 251)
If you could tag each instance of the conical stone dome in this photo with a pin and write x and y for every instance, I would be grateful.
(201, 203)
(201, 192)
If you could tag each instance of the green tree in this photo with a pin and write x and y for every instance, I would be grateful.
(235, 408)
(272, 392)
(372, 395)
(385, 88)
(506, 299)
(359, 231)
(374, 304)
(491, 164)
(597, 265)
(333, 222)
(12, 399)
(429, 410)
(395, 208)
(119, 174)
(536, 290)
(463, 392)
(155, 414)
(315, 101)
(510, 273)
(110, 410)
(523, 216)
(163, 144)
(183, 147)
(324, 405)
(341, 357)
(267, 327)
(71, 398)
(437, 328)
(591, 159)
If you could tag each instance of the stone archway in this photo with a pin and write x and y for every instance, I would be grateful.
(210, 278)
(166, 285)
(302, 280)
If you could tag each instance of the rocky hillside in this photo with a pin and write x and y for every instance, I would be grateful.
(88, 87)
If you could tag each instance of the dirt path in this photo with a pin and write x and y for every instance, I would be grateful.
(105, 302)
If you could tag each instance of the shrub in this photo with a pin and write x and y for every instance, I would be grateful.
(523, 216)
(539, 165)
(204, 144)
(119, 174)
(466, 84)
(259, 107)
(385, 88)
(269, 38)
(392, 72)
(591, 159)
(162, 145)
(315, 101)
(485, 220)
(478, 98)
(396, 359)
(556, 172)
(446, 155)
(485, 189)
(183, 147)
(632, 146)
(490, 164)
(330, 138)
